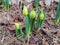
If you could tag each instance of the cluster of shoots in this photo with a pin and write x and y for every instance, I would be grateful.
(29, 21)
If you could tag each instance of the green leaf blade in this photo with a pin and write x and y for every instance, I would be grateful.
(37, 3)
(57, 17)
(6, 4)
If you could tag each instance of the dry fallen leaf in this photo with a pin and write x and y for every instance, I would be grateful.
(48, 2)
(29, 1)
(56, 0)
(14, 2)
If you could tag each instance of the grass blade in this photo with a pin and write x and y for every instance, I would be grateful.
(57, 18)
(6, 4)
(36, 3)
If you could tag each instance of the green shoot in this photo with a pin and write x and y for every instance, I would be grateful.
(41, 18)
(28, 28)
(26, 21)
(32, 18)
(57, 18)
(19, 32)
(29, 23)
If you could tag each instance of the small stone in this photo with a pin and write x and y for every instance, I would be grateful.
(58, 40)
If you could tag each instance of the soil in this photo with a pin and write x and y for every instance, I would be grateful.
(49, 34)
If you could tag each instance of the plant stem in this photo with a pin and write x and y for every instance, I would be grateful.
(28, 36)
(28, 41)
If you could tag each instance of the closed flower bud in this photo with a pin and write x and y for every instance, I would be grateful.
(17, 25)
(41, 16)
(25, 11)
(32, 14)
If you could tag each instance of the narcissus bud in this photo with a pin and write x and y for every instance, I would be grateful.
(25, 11)
(41, 16)
(32, 14)
(17, 25)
